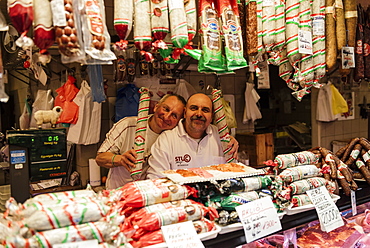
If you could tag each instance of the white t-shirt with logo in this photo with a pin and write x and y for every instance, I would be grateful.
(175, 149)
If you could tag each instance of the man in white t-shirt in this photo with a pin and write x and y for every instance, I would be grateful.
(117, 153)
(195, 142)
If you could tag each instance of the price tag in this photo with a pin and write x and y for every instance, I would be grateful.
(259, 218)
(318, 25)
(304, 42)
(181, 235)
(353, 202)
(81, 244)
(348, 57)
(329, 215)
(59, 16)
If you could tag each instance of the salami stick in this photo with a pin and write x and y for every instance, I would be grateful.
(341, 151)
(366, 157)
(330, 161)
(268, 25)
(354, 154)
(251, 23)
(349, 149)
(350, 14)
(331, 41)
(353, 185)
(340, 26)
(359, 50)
(122, 20)
(342, 167)
(318, 39)
(363, 169)
(345, 185)
(365, 143)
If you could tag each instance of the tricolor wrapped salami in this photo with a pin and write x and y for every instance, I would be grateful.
(297, 173)
(318, 39)
(179, 26)
(142, 28)
(21, 14)
(268, 24)
(123, 17)
(44, 33)
(296, 159)
(260, 47)
(159, 23)
(191, 18)
(292, 27)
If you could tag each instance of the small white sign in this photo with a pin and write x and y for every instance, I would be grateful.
(348, 57)
(304, 41)
(259, 218)
(81, 244)
(329, 215)
(318, 25)
(59, 15)
(353, 202)
(181, 235)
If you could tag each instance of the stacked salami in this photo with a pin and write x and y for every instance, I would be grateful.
(62, 217)
(150, 204)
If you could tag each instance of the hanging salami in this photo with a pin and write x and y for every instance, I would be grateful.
(318, 39)
(159, 21)
(123, 15)
(251, 23)
(142, 29)
(292, 24)
(21, 14)
(44, 33)
(229, 16)
(191, 18)
(179, 28)
(331, 40)
(268, 24)
(359, 55)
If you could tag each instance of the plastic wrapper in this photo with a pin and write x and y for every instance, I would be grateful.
(160, 23)
(142, 31)
(318, 39)
(140, 132)
(191, 18)
(300, 200)
(123, 17)
(227, 217)
(212, 58)
(44, 33)
(153, 221)
(21, 14)
(96, 82)
(62, 195)
(244, 184)
(101, 230)
(73, 213)
(95, 32)
(151, 238)
(300, 172)
(260, 47)
(229, 15)
(296, 159)
(301, 186)
(268, 24)
(147, 192)
(179, 29)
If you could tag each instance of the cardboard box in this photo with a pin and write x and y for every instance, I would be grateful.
(260, 147)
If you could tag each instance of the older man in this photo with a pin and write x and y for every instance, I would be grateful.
(195, 142)
(117, 153)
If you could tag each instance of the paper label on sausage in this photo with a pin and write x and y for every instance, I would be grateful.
(59, 17)
(339, 4)
(318, 25)
(350, 14)
(366, 156)
(305, 41)
(348, 61)
(175, 4)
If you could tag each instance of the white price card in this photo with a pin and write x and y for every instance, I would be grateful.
(259, 218)
(353, 202)
(329, 215)
(81, 244)
(304, 42)
(181, 235)
(348, 57)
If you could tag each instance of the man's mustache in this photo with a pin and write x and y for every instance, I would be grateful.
(198, 118)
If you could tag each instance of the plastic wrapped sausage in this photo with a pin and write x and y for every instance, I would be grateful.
(318, 39)
(123, 17)
(331, 41)
(159, 22)
(178, 23)
(296, 159)
(191, 18)
(300, 172)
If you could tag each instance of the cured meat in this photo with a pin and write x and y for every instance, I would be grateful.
(179, 26)
(142, 29)
(300, 172)
(123, 16)
(21, 14)
(340, 25)
(260, 47)
(359, 51)
(279, 28)
(367, 44)
(44, 33)
(331, 41)
(191, 18)
(292, 27)
(159, 21)
(296, 159)
(318, 39)
(268, 24)
(251, 24)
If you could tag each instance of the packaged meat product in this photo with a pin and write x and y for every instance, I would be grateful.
(122, 19)
(142, 31)
(297, 173)
(231, 30)
(318, 39)
(73, 213)
(286, 70)
(62, 195)
(301, 186)
(44, 33)
(148, 192)
(179, 29)
(95, 32)
(21, 14)
(300, 200)
(243, 184)
(279, 26)
(359, 51)
(101, 230)
(210, 36)
(296, 159)
(152, 238)
(154, 221)
(292, 27)
(251, 26)
(260, 47)
(268, 24)
(159, 23)
(191, 18)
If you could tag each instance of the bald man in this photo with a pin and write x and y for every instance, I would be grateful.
(195, 142)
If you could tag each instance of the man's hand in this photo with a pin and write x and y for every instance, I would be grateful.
(128, 159)
(234, 144)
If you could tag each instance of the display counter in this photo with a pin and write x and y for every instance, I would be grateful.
(237, 238)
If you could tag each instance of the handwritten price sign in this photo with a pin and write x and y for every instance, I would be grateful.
(259, 218)
(181, 235)
(81, 244)
(329, 215)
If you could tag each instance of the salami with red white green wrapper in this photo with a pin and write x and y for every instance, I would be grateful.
(160, 23)
(123, 17)
(142, 27)
(179, 25)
